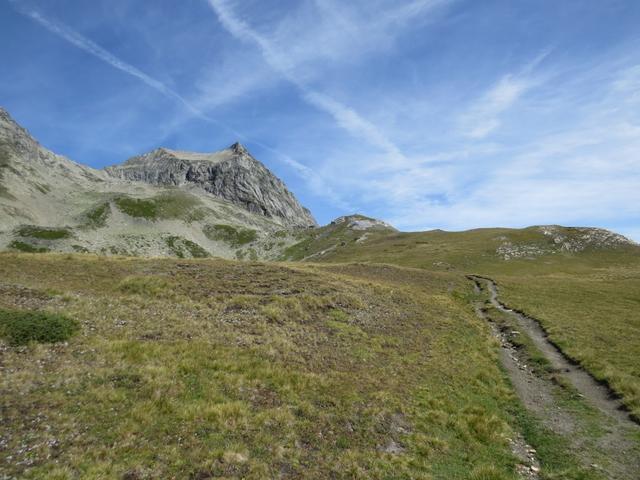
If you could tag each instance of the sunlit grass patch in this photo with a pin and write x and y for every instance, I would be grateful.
(152, 286)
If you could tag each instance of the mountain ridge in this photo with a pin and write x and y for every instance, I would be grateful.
(45, 195)
(232, 174)
(226, 203)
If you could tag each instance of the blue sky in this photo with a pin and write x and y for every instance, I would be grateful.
(448, 114)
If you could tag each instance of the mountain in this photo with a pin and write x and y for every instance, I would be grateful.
(228, 204)
(231, 174)
(166, 202)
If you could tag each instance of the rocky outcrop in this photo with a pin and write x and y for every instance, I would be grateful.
(557, 239)
(360, 222)
(232, 174)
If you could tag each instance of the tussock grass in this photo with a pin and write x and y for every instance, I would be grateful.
(147, 286)
(317, 373)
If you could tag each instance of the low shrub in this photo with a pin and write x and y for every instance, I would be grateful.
(25, 247)
(22, 327)
(232, 235)
(44, 233)
(138, 208)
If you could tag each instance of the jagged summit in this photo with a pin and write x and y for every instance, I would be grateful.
(238, 148)
(362, 222)
(232, 174)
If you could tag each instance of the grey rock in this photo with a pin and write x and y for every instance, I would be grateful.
(187, 195)
(232, 174)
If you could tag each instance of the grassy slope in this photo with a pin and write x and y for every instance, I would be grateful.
(321, 372)
(594, 316)
(588, 301)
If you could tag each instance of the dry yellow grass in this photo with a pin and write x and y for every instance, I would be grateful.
(216, 369)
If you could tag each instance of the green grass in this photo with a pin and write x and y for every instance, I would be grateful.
(195, 368)
(98, 215)
(22, 327)
(43, 233)
(592, 316)
(166, 206)
(183, 248)
(234, 236)
(513, 332)
(137, 208)
(552, 450)
(26, 247)
(573, 294)
(192, 368)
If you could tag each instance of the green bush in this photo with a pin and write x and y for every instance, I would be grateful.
(25, 247)
(97, 216)
(22, 327)
(44, 233)
(233, 236)
(181, 246)
(138, 208)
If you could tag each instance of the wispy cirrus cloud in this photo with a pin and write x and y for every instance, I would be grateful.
(87, 45)
(483, 117)
(344, 116)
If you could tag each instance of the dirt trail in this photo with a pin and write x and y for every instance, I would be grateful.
(613, 451)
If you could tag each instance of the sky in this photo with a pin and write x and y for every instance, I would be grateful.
(450, 114)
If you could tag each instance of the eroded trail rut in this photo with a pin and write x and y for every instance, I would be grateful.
(615, 446)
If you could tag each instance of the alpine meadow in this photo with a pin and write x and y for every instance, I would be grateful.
(171, 309)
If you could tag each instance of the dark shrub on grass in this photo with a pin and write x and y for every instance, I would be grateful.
(22, 327)
(44, 233)
(25, 247)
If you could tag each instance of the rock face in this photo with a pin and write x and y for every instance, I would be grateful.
(360, 222)
(231, 174)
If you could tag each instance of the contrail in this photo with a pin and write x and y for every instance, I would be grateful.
(97, 51)
(345, 117)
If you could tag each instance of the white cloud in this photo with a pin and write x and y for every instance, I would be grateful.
(484, 117)
(100, 53)
(317, 184)
(344, 116)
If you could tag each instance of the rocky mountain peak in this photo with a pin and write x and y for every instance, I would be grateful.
(361, 222)
(238, 149)
(232, 174)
